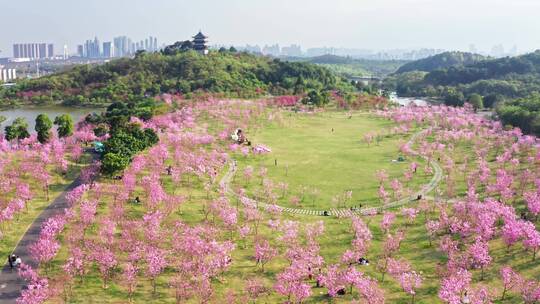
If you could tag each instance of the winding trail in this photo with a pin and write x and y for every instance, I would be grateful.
(426, 189)
(11, 284)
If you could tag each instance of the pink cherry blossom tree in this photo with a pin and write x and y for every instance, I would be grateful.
(264, 252)
(510, 280)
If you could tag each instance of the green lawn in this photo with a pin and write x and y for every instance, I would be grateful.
(318, 164)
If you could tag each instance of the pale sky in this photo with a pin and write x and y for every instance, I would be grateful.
(375, 24)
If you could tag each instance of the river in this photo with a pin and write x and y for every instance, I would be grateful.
(405, 101)
(31, 112)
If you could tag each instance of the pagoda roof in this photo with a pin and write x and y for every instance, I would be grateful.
(200, 35)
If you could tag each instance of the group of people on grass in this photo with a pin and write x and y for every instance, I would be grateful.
(239, 137)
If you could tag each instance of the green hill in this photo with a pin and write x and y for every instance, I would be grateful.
(494, 79)
(441, 61)
(231, 74)
(503, 68)
(509, 85)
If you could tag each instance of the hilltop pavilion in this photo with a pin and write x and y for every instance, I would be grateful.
(199, 43)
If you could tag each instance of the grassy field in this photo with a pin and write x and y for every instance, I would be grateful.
(321, 156)
(309, 156)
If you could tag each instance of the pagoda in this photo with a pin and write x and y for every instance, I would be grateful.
(199, 43)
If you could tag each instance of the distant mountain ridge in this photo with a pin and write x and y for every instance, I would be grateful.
(331, 59)
(442, 61)
(501, 68)
(347, 66)
(498, 79)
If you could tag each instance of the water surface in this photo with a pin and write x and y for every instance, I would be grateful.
(31, 112)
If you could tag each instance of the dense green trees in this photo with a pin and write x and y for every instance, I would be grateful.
(17, 130)
(406, 84)
(523, 113)
(43, 128)
(504, 78)
(112, 163)
(124, 143)
(126, 139)
(476, 101)
(228, 73)
(317, 98)
(65, 125)
(492, 100)
(441, 61)
(178, 47)
(454, 97)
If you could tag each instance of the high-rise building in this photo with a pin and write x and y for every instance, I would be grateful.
(42, 50)
(50, 50)
(313, 52)
(272, 50)
(97, 52)
(80, 50)
(66, 55)
(251, 49)
(293, 50)
(108, 50)
(17, 51)
(33, 50)
(7, 74)
(122, 46)
(25, 50)
(92, 49)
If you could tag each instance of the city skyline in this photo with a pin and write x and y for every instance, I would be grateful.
(347, 24)
(124, 46)
(117, 47)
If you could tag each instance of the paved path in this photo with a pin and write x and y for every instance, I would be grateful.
(426, 189)
(10, 282)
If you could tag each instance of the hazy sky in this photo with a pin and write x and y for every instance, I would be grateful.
(375, 24)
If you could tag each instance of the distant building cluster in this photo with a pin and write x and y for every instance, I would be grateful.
(7, 75)
(123, 46)
(120, 47)
(33, 51)
(295, 50)
(392, 54)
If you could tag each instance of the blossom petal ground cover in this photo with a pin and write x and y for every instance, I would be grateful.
(189, 240)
